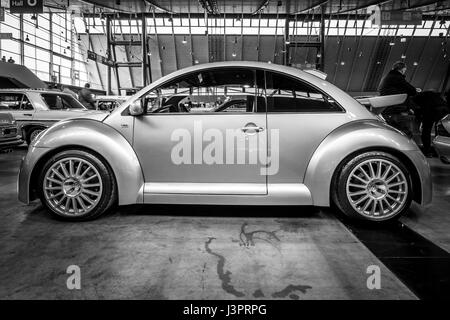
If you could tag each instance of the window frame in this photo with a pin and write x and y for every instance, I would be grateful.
(225, 68)
(302, 82)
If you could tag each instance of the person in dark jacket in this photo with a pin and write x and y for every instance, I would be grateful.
(432, 109)
(395, 83)
(85, 97)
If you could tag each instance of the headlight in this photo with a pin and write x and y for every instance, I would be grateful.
(441, 131)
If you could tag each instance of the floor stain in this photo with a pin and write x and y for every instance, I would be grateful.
(224, 276)
(258, 294)
(248, 238)
(288, 291)
(291, 226)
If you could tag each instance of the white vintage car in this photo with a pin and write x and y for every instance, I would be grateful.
(35, 110)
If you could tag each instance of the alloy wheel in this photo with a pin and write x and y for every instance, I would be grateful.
(72, 186)
(377, 188)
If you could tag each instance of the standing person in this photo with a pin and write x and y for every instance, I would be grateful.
(4, 59)
(11, 60)
(67, 90)
(432, 109)
(85, 97)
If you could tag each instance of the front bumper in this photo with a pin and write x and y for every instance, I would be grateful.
(10, 142)
(424, 172)
(26, 169)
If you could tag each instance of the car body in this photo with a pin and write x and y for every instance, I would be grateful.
(109, 103)
(441, 142)
(303, 142)
(35, 110)
(9, 134)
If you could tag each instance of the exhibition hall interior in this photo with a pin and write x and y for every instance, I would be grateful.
(257, 150)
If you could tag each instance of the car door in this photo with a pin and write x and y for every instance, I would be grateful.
(18, 105)
(304, 116)
(184, 147)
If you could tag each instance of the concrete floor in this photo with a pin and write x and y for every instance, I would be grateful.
(194, 252)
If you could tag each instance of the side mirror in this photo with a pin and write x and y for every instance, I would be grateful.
(137, 108)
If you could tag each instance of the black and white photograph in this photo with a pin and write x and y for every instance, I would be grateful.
(232, 158)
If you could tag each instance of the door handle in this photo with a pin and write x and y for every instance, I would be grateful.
(252, 128)
(28, 114)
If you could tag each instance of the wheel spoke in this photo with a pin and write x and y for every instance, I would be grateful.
(64, 170)
(361, 199)
(361, 179)
(372, 172)
(52, 188)
(357, 193)
(379, 169)
(367, 204)
(54, 180)
(365, 173)
(396, 184)
(80, 201)
(91, 192)
(71, 168)
(92, 185)
(356, 185)
(86, 198)
(55, 195)
(386, 172)
(392, 177)
(392, 198)
(58, 174)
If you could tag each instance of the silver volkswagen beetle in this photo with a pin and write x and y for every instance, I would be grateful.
(290, 138)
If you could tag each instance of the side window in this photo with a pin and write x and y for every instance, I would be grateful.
(287, 94)
(232, 90)
(26, 104)
(14, 101)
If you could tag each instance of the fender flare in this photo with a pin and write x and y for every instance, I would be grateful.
(102, 140)
(353, 137)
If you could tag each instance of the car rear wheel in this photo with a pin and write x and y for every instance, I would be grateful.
(75, 185)
(373, 186)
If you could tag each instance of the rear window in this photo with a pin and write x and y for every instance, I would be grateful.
(61, 101)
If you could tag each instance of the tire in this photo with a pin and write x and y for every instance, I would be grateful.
(388, 193)
(32, 133)
(76, 185)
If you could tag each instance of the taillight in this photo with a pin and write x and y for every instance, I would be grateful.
(441, 131)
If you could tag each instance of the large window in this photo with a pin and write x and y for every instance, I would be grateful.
(287, 94)
(61, 101)
(49, 43)
(14, 102)
(228, 90)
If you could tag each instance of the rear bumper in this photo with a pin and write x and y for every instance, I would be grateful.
(442, 147)
(424, 172)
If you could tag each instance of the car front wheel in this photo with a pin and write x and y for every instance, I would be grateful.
(373, 186)
(75, 185)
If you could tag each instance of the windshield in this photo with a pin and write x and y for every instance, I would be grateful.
(61, 101)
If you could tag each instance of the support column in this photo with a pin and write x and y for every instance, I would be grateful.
(144, 51)
(321, 59)
(108, 46)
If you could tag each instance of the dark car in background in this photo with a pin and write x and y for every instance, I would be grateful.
(9, 135)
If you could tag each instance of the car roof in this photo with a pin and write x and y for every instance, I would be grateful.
(23, 90)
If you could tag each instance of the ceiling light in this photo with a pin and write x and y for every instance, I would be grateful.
(415, 63)
(402, 39)
(196, 61)
(287, 42)
(391, 43)
(184, 40)
(403, 56)
(319, 55)
(234, 54)
(342, 63)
